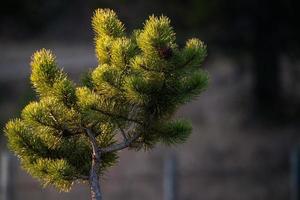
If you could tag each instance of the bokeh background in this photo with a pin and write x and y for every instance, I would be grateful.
(246, 125)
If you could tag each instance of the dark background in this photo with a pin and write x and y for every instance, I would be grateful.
(245, 126)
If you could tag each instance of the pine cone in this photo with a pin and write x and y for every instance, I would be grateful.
(165, 52)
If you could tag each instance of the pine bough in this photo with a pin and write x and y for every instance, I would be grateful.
(74, 132)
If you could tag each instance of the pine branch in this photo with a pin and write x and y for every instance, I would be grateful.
(123, 133)
(126, 143)
(150, 70)
(95, 168)
(93, 142)
(81, 177)
(113, 115)
(139, 83)
(64, 131)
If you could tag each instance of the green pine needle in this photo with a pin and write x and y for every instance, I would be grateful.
(130, 97)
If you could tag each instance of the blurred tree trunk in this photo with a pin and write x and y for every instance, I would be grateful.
(267, 87)
(266, 52)
(6, 175)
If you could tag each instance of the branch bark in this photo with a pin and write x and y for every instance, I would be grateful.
(95, 168)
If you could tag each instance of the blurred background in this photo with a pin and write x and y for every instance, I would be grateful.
(246, 125)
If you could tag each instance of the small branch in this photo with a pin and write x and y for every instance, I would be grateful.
(188, 61)
(126, 143)
(64, 131)
(54, 118)
(150, 70)
(117, 116)
(81, 177)
(123, 133)
(93, 143)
